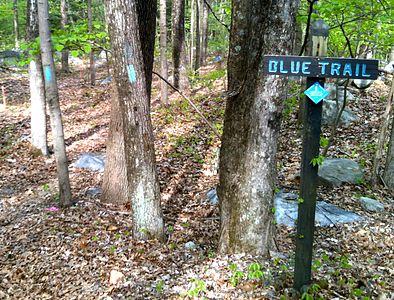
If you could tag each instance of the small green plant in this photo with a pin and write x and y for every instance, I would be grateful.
(316, 264)
(112, 249)
(236, 276)
(45, 187)
(300, 200)
(317, 161)
(185, 225)
(255, 272)
(160, 286)
(323, 142)
(118, 236)
(211, 253)
(312, 293)
(197, 288)
(273, 210)
(344, 261)
(95, 238)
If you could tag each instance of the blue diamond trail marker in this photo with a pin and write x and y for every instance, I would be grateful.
(316, 92)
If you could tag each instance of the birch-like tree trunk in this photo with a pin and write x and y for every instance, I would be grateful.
(163, 50)
(16, 23)
(192, 33)
(204, 33)
(92, 66)
(130, 82)
(63, 23)
(37, 89)
(247, 170)
(197, 29)
(52, 98)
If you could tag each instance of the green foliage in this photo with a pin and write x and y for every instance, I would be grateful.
(236, 275)
(323, 142)
(198, 287)
(300, 200)
(317, 161)
(160, 286)
(255, 272)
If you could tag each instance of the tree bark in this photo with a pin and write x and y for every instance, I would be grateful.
(252, 120)
(388, 175)
(16, 23)
(178, 45)
(163, 50)
(63, 23)
(37, 89)
(197, 28)
(192, 33)
(92, 66)
(130, 82)
(52, 97)
(204, 33)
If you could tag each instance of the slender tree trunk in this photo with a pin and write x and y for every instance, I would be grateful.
(130, 82)
(52, 97)
(163, 50)
(204, 33)
(388, 175)
(63, 23)
(252, 121)
(16, 23)
(92, 66)
(192, 32)
(37, 88)
(178, 45)
(197, 58)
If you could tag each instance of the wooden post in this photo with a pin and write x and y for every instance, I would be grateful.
(309, 177)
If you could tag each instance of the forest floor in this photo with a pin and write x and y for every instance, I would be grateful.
(86, 252)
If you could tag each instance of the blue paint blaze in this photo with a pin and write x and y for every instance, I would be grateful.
(295, 67)
(357, 69)
(335, 69)
(48, 73)
(131, 73)
(272, 66)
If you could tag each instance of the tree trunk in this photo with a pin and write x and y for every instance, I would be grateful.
(192, 32)
(16, 23)
(204, 33)
(252, 120)
(388, 176)
(197, 28)
(52, 97)
(163, 50)
(129, 68)
(37, 88)
(92, 67)
(63, 23)
(178, 45)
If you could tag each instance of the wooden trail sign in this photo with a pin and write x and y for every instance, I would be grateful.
(316, 69)
(321, 67)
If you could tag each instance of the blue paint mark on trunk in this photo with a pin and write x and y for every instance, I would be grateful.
(48, 73)
(132, 74)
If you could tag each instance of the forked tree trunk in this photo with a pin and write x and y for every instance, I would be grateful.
(16, 23)
(178, 45)
(92, 66)
(163, 50)
(52, 97)
(63, 23)
(129, 68)
(37, 88)
(252, 120)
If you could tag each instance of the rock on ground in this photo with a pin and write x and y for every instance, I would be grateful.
(371, 204)
(91, 161)
(335, 171)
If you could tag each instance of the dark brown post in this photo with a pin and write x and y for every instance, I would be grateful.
(309, 178)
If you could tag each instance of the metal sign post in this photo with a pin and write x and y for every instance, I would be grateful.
(316, 68)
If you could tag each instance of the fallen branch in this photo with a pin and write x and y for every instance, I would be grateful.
(191, 103)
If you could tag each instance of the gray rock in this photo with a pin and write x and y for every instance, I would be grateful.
(94, 191)
(340, 170)
(190, 245)
(389, 67)
(371, 204)
(362, 83)
(106, 80)
(212, 196)
(331, 110)
(286, 210)
(332, 88)
(90, 161)
(75, 61)
(326, 214)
